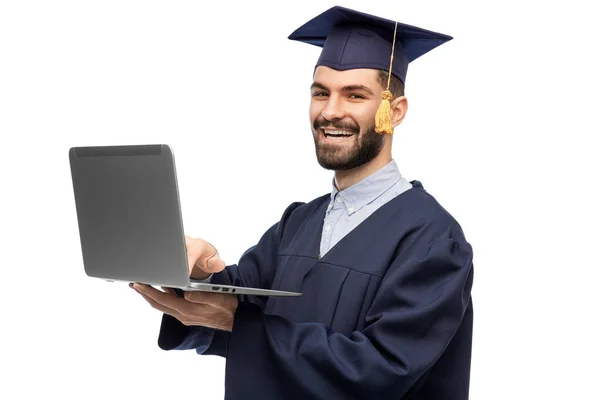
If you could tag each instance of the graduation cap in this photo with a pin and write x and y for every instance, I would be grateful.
(352, 39)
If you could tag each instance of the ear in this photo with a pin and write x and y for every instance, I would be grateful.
(398, 108)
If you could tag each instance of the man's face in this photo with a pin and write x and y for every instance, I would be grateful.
(342, 114)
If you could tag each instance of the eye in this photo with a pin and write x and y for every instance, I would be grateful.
(356, 96)
(319, 94)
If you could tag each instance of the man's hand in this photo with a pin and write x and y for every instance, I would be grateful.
(203, 258)
(213, 310)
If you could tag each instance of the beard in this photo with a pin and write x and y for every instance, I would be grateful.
(365, 147)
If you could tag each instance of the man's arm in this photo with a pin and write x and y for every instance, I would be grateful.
(256, 268)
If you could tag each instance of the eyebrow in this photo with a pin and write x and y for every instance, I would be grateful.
(348, 88)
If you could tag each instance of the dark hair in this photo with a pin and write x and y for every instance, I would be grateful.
(396, 85)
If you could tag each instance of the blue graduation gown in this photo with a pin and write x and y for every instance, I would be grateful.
(385, 314)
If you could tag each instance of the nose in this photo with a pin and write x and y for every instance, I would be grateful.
(333, 109)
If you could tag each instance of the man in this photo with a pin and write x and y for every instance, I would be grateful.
(385, 271)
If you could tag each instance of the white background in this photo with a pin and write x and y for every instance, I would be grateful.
(501, 129)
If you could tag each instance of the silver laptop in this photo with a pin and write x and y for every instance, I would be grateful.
(129, 217)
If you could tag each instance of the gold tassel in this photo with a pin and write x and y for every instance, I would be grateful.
(383, 118)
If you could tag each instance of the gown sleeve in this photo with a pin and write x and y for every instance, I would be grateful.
(256, 268)
(417, 310)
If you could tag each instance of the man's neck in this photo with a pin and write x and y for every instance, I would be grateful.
(345, 179)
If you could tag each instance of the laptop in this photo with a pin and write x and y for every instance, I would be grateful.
(129, 217)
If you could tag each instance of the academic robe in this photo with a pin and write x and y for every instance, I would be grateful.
(385, 314)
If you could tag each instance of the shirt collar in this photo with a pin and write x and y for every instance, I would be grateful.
(366, 191)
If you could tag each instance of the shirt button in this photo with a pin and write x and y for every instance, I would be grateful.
(339, 199)
(327, 228)
(351, 209)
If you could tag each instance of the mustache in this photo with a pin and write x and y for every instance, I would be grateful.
(322, 123)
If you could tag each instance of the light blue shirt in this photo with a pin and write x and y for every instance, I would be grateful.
(348, 208)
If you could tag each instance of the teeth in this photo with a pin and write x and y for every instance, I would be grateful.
(337, 133)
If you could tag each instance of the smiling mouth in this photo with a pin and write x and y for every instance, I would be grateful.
(336, 134)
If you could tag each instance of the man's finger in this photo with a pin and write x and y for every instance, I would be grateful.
(199, 252)
(216, 300)
(160, 307)
(165, 299)
(168, 290)
(215, 264)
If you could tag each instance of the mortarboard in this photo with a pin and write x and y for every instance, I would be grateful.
(352, 39)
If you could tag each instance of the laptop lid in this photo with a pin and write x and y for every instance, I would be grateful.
(129, 215)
